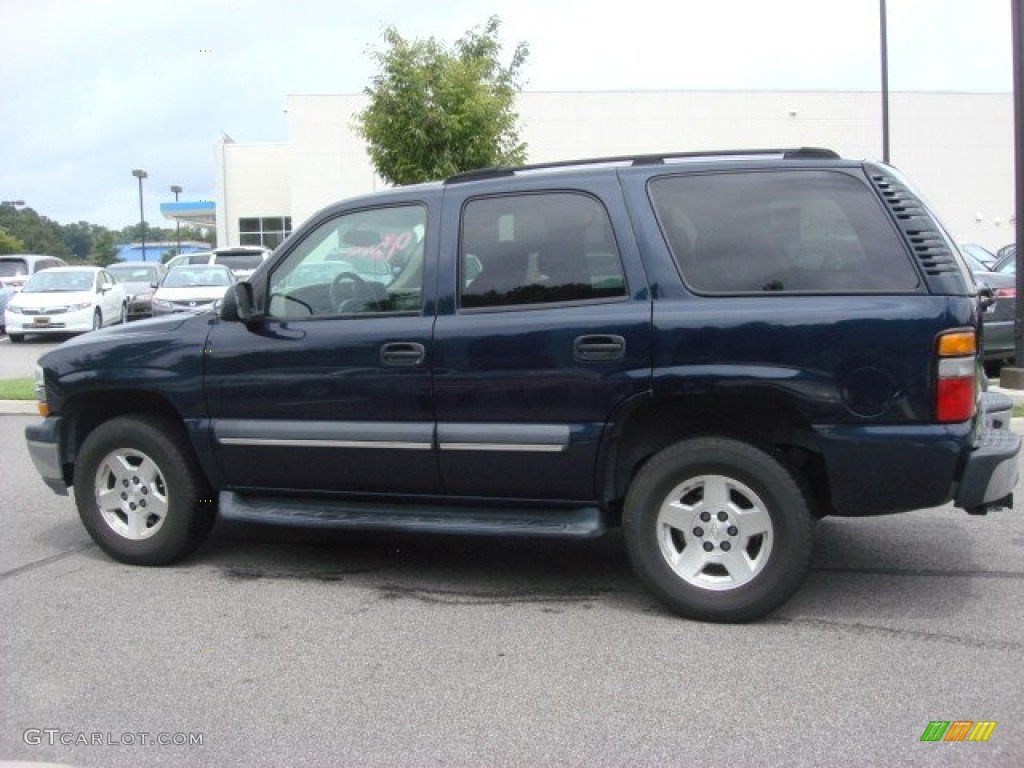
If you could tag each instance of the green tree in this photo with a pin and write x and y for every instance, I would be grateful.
(103, 249)
(435, 111)
(78, 237)
(9, 243)
(38, 234)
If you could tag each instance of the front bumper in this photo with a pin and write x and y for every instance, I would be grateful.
(44, 449)
(78, 321)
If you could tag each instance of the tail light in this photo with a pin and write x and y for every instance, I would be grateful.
(955, 376)
(1006, 293)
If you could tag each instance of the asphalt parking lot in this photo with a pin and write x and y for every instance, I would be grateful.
(275, 647)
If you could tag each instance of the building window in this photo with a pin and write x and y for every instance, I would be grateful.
(268, 231)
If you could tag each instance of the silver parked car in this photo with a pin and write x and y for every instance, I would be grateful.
(139, 279)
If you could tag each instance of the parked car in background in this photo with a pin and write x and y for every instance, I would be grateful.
(6, 292)
(998, 316)
(1006, 259)
(16, 268)
(139, 279)
(241, 260)
(983, 255)
(191, 288)
(65, 300)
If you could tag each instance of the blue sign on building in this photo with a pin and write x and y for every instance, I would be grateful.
(156, 251)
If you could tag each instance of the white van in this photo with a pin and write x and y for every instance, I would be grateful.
(241, 260)
(16, 268)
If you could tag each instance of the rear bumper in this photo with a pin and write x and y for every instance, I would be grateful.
(991, 472)
(886, 469)
(44, 449)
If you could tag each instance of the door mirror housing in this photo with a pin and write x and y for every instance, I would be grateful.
(986, 296)
(238, 304)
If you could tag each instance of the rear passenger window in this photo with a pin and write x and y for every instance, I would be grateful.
(537, 249)
(789, 231)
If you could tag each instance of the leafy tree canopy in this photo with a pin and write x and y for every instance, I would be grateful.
(9, 243)
(435, 110)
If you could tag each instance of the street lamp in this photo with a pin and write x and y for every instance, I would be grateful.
(176, 189)
(140, 174)
(884, 45)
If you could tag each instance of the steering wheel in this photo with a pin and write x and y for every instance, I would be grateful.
(356, 288)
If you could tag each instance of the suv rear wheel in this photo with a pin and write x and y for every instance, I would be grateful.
(718, 529)
(140, 492)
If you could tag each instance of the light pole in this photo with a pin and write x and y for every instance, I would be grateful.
(884, 40)
(176, 189)
(140, 174)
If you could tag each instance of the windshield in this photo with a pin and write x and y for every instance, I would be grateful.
(134, 274)
(13, 267)
(51, 281)
(195, 277)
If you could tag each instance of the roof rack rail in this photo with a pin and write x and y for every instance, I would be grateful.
(798, 153)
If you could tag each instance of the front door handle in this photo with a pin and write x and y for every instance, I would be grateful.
(598, 348)
(402, 354)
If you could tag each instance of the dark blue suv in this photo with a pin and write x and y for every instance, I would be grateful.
(711, 351)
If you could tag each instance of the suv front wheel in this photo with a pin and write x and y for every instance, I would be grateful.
(140, 493)
(718, 529)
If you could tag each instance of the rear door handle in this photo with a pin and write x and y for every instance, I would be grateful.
(599, 348)
(402, 354)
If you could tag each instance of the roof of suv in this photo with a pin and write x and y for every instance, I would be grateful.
(801, 153)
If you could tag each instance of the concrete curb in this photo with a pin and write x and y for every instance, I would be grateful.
(17, 407)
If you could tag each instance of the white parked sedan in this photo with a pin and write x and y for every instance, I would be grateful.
(191, 288)
(65, 300)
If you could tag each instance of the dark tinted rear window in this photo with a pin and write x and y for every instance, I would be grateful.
(789, 231)
(13, 267)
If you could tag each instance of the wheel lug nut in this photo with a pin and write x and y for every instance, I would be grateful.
(145, 489)
(132, 506)
(124, 497)
(708, 546)
(723, 516)
(705, 516)
(135, 480)
(698, 532)
(726, 546)
(733, 530)
(125, 482)
(142, 503)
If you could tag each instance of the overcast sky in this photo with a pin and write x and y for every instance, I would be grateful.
(91, 89)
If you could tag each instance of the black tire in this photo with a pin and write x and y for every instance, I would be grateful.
(155, 471)
(759, 550)
(97, 320)
(16, 338)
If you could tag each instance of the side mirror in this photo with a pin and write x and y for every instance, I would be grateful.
(986, 296)
(238, 305)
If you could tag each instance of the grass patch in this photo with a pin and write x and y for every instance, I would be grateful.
(17, 389)
(1018, 411)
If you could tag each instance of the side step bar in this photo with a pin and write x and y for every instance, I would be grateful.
(582, 522)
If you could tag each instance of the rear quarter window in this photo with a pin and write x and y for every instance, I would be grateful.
(780, 231)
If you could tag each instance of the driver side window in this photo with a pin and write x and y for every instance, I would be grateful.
(362, 262)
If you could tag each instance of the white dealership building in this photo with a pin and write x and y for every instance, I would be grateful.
(957, 148)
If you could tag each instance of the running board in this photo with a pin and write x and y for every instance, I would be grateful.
(581, 522)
